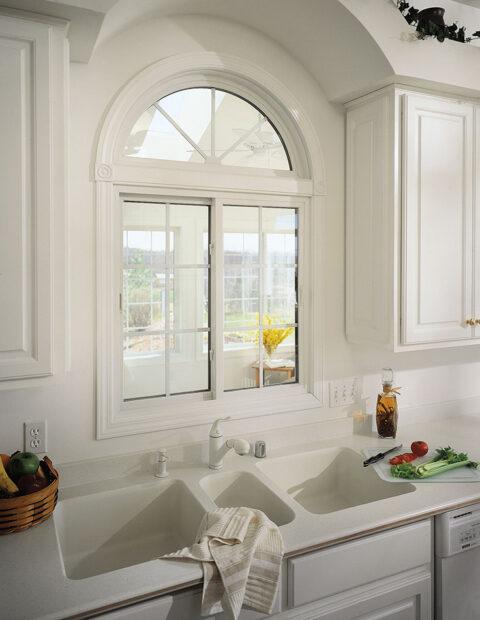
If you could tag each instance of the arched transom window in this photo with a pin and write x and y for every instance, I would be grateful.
(207, 125)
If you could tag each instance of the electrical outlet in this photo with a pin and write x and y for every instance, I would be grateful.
(35, 437)
(344, 391)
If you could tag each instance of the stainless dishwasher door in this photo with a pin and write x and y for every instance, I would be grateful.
(457, 564)
(457, 580)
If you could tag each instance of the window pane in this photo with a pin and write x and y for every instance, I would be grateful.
(189, 294)
(241, 296)
(240, 237)
(240, 360)
(279, 302)
(260, 300)
(189, 364)
(280, 364)
(279, 234)
(179, 127)
(154, 137)
(160, 298)
(192, 110)
(244, 136)
(144, 366)
(189, 230)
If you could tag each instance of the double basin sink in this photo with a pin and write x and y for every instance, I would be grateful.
(121, 527)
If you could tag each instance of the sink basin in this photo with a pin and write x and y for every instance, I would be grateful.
(328, 480)
(243, 489)
(102, 532)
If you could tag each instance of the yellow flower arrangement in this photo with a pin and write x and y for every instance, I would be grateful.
(274, 336)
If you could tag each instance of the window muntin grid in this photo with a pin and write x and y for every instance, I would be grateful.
(208, 125)
(166, 262)
(261, 249)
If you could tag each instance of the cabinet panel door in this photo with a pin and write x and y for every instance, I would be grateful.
(404, 610)
(321, 574)
(437, 220)
(25, 200)
(180, 606)
(368, 221)
(405, 596)
(476, 247)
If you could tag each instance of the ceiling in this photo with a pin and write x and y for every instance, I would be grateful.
(85, 18)
(322, 35)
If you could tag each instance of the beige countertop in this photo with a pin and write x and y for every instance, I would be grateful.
(34, 584)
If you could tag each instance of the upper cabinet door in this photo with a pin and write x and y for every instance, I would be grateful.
(31, 181)
(437, 231)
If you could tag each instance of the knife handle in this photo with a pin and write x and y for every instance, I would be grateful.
(373, 459)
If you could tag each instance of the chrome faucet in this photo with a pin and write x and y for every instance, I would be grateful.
(218, 448)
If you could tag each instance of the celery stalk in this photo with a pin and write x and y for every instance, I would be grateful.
(425, 471)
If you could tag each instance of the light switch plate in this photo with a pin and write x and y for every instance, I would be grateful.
(35, 436)
(345, 391)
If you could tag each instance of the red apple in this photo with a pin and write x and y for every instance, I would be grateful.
(30, 484)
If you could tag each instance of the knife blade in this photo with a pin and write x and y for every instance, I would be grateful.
(378, 457)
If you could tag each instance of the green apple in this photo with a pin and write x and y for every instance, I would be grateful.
(22, 464)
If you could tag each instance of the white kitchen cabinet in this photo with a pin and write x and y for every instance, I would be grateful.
(411, 212)
(385, 575)
(181, 606)
(437, 187)
(33, 63)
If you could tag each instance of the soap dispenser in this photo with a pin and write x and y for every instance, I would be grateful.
(387, 409)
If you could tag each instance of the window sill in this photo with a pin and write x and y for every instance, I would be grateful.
(193, 409)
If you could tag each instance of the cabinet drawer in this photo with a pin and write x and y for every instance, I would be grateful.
(323, 573)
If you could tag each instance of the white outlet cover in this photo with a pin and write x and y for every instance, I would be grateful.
(344, 391)
(35, 437)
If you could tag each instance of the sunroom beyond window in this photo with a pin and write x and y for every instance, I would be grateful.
(207, 125)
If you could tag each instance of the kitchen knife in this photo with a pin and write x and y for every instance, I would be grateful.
(380, 456)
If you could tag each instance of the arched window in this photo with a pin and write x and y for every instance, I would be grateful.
(207, 125)
(204, 253)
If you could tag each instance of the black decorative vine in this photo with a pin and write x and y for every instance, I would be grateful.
(429, 23)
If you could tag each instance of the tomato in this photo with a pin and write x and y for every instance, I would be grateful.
(407, 457)
(420, 448)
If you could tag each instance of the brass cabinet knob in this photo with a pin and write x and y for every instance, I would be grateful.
(477, 321)
(471, 322)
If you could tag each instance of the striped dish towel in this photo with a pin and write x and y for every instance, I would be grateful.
(241, 553)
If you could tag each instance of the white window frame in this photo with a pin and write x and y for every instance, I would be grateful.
(153, 180)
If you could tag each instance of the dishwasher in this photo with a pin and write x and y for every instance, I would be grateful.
(457, 564)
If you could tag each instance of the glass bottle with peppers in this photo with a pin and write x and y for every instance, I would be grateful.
(387, 408)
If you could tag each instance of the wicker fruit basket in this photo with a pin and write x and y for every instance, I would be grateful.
(25, 511)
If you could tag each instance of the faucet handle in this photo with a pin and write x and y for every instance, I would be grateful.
(215, 430)
(162, 455)
(161, 465)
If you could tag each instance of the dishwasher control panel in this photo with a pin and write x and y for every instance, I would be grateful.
(457, 531)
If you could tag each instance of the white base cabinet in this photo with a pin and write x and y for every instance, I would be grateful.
(385, 575)
(412, 247)
(181, 606)
(407, 596)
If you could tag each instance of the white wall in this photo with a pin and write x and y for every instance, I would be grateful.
(67, 402)
(449, 65)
